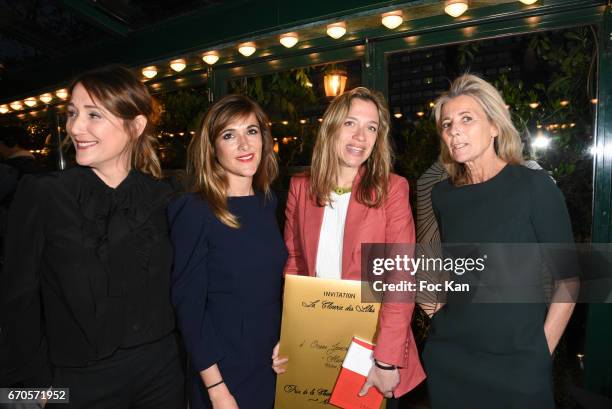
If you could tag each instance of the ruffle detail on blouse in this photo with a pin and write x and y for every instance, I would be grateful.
(121, 221)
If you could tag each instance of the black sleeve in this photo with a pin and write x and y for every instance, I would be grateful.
(551, 222)
(189, 225)
(23, 351)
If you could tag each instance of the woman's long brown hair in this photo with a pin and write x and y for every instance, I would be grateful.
(372, 188)
(207, 176)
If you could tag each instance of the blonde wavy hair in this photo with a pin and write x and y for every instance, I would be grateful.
(119, 90)
(372, 189)
(507, 144)
(206, 175)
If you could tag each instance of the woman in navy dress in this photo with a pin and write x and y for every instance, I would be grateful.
(229, 258)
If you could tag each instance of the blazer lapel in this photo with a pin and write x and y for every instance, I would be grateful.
(354, 216)
(313, 219)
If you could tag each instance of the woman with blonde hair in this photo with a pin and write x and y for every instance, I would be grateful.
(498, 354)
(229, 258)
(86, 285)
(350, 197)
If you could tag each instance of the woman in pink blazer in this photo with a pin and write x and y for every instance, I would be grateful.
(350, 197)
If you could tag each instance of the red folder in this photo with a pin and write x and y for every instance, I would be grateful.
(354, 372)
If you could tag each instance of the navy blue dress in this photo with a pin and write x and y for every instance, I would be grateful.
(226, 289)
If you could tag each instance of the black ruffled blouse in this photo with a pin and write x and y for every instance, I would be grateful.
(87, 270)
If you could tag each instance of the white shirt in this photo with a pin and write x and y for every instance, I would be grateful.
(329, 253)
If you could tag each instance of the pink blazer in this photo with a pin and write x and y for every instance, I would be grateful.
(390, 223)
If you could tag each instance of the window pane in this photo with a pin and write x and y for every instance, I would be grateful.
(548, 80)
(181, 113)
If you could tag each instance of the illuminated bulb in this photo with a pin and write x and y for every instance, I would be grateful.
(420, 113)
(541, 141)
(594, 101)
(534, 105)
(178, 65)
(455, 8)
(289, 39)
(16, 105)
(285, 140)
(431, 105)
(308, 84)
(275, 147)
(302, 121)
(392, 19)
(247, 49)
(528, 2)
(46, 98)
(31, 102)
(398, 115)
(320, 119)
(149, 72)
(564, 103)
(61, 93)
(336, 30)
(4, 109)
(210, 57)
(335, 84)
(285, 122)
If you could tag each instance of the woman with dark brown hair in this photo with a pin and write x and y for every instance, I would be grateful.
(229, 258)
(85, 292)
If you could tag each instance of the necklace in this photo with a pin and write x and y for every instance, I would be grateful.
(342, 190)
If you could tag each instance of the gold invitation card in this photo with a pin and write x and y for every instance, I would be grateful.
(320, 317)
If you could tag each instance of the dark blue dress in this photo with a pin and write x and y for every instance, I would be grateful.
(226, 289)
